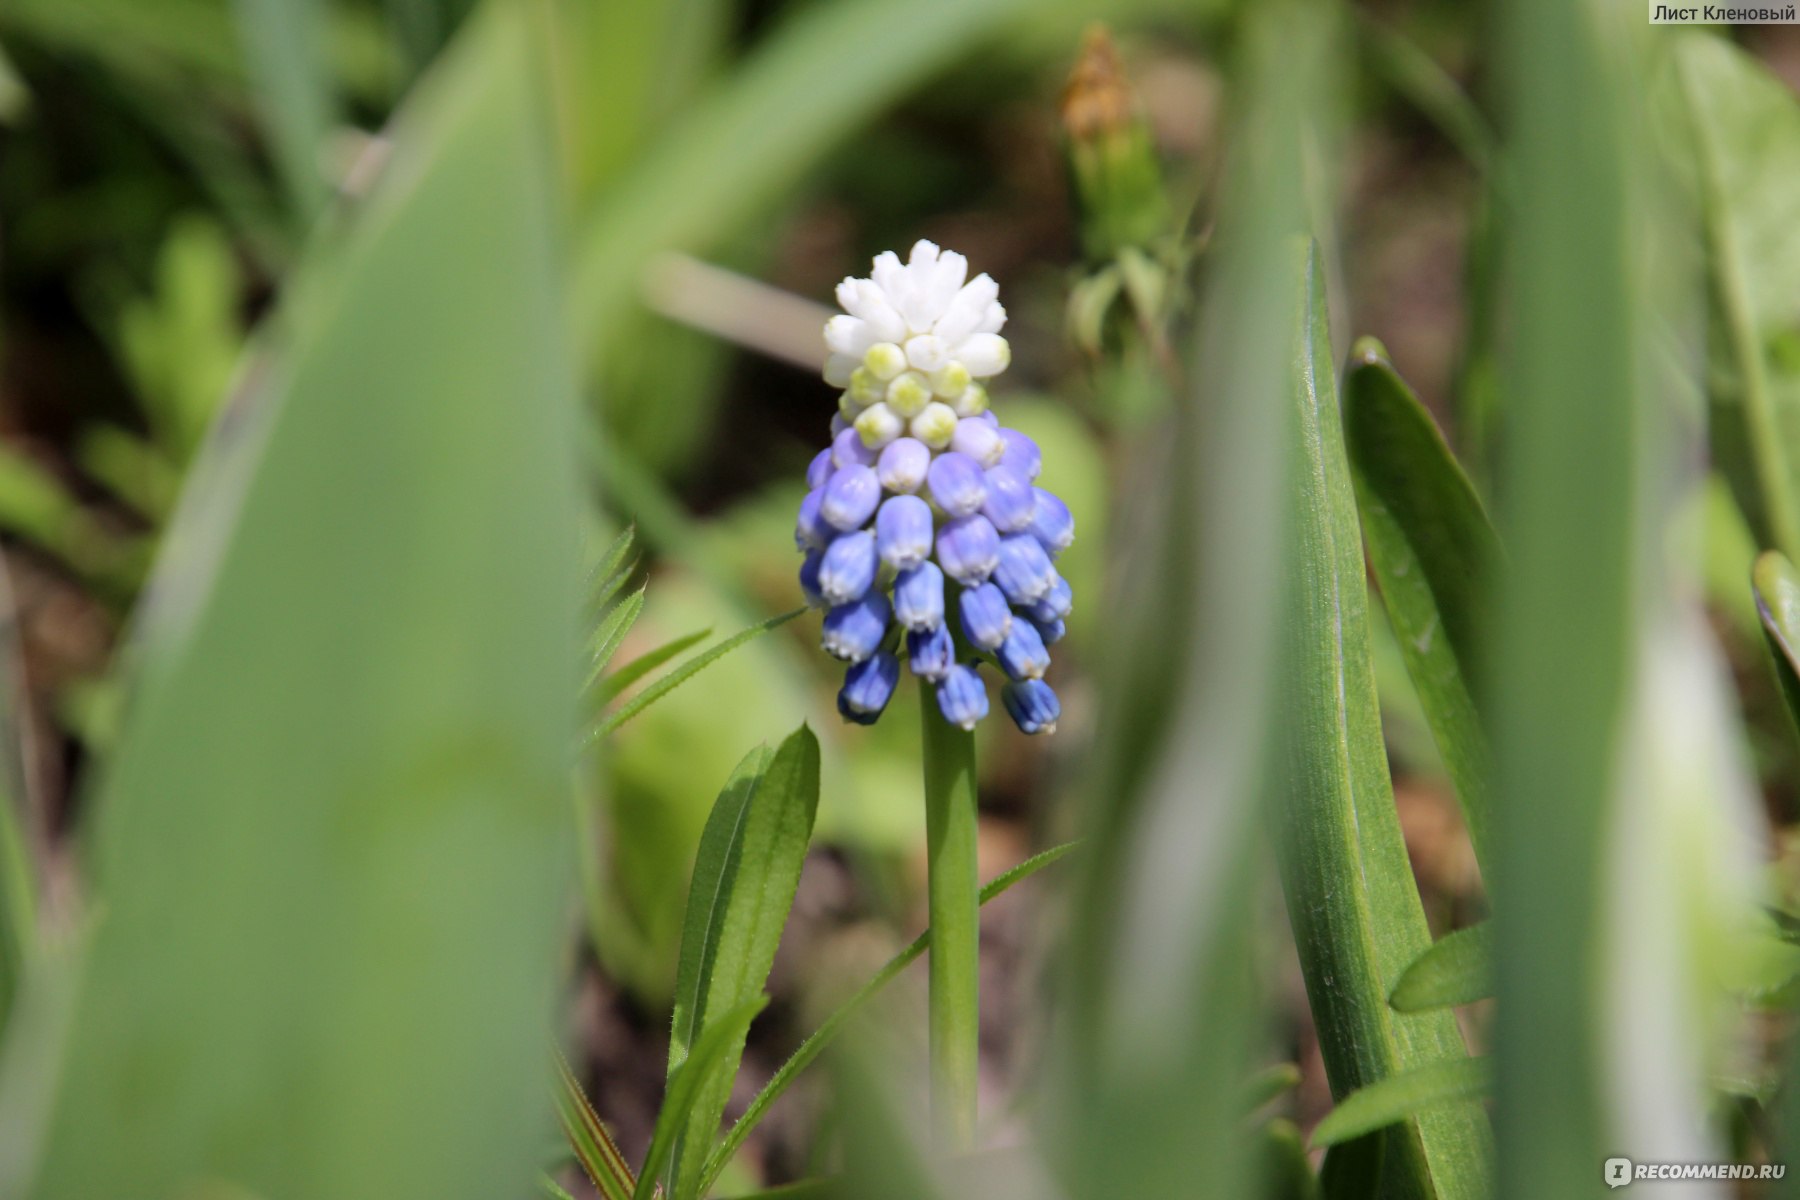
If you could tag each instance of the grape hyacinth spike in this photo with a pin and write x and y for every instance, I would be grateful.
(925, 532)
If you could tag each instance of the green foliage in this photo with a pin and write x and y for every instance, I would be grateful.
(743, 885)
(1458, 969)
(1351, 898)
(332, 841)
(722, 1040)
(1776, 585)
(1404, 1097)
(1434, 556)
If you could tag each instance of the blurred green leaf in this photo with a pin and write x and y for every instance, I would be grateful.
(1268, 1084)
(613, 627)
(332, 840)
(1434, 556)
(19, 875)
(816, 1043)
(1458, 969)
(682, 674)
(594, 1147)
(283, 43)
(743, 885)
(1287, 1170)
(1745, 156)
(1403, 1097)
(1776, 585)
(722, 1039)
(1352, 901)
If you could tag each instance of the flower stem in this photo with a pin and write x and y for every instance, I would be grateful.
(954, 899)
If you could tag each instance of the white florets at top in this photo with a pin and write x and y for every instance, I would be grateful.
(912, 342)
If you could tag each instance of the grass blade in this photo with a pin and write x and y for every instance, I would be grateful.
(822, 1037)
(682, 674)
(616, 684)
(743, 885)
(1776, 585)
(1458, 969)
(1355, 909)
(1402, 1097)
(1433, 553)
(613, 570)
(594, 1147)
(332, 837)
(284, 43)
(612, 630)
(685, 1084)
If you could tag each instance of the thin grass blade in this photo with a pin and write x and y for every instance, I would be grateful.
(1403, 1097)
(1458, 969)
(712, 1049)
(682, 674)
(610, 687)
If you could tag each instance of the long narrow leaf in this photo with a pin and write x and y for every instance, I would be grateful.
(284, 43)
(1403, 1097)
(744, 879)
(610, 687)
(332, 837)
(682, 674)
(1355, 909)
(594, 1147)
(611, 632)
(685, 1086)
(1777, 588)
(821, 1037)
(1434, 554)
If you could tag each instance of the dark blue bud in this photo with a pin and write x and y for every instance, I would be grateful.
(986, 619)
(848, 568)
(1010, 500)
(1032, 705)
(819, 470)
(850, 497)
(967, 549)
(1023, 654)
(903, 531)
(1051, 523)
(1021, 454)
(868, 686)
(931, 652)
(1023, 570)
(847, 449)
(1055, 604)
(1051, 631)
(854, 631)
(919, 597)
(956, 484)
(809, 578)
(810, 530)
(961, 697)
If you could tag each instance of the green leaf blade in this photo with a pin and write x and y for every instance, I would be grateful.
(710, 1052)
(682, 674)
(1776, 585)
(1458, 969)
(1402, 1097)
(1433, 552)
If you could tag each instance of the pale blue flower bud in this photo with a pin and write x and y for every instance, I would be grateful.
(919, 596)
(1054, 605)
(961, 697)
(1010, 502)
(1051, 631)
(868, 686)
(931, 652)
(819, 470)
(1051, 523)
(903, 531)
(979, 440)
(809, 579)
(854, 631)
(986, 619)
(1023, 654)
(847, 448)
(1023, 570)
(903, 465)
(1022, 452)
(967, 549)
(1032, 705)
(848, 568)
(956, 484)
(850, 497)
(810, 530)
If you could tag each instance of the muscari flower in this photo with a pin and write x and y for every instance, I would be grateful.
(923, 528)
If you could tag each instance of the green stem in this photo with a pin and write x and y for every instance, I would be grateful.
(954, 898)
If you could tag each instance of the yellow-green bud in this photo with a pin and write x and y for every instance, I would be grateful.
(972, 402)
(877, 425)
(936, 425)
(885, 360)
(950, 380)
(865, 389)
(908, 395)
(847, 407)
